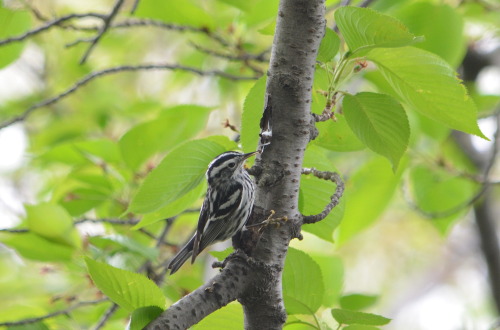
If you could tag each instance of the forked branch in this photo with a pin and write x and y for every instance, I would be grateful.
(334, 199)
(141, 67)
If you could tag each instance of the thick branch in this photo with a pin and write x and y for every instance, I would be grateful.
(224, 288)
(334, 200)
(123, 68)
(485, 221)
(256, 281)
(299, 29)
(484, 212)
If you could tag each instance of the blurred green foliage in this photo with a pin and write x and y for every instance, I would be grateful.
(130, 149)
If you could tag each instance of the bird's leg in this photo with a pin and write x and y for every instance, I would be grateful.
(269, 221)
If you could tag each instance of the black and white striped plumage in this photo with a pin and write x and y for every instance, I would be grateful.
(227, 205)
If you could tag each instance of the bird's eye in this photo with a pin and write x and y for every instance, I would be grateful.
(231, 165)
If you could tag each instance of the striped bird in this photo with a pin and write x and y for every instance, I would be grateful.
(226, 208)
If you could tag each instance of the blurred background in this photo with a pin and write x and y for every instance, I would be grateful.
(425, 266)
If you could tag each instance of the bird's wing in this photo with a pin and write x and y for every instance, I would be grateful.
(202, 221)
(222, 216)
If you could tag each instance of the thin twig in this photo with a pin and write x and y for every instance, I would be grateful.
(158, 278)
(48, 25)
(123, 68)
(334, 199)
(106, 24)
(134, 6)
(240, 57)
(486, 183)
(130, 222)
(106, 316)
(78, 222)
(14, 231)
(160, 24)
(365, 3)
(151, 235)
(53, 314)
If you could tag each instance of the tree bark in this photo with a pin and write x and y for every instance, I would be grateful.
(485, 223)
(255, 278)
(300, 27)
(484, 214)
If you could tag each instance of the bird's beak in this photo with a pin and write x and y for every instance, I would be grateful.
(250, 154)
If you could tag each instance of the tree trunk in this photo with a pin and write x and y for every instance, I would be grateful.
(256, 281)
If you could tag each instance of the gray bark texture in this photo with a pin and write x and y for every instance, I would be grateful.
(253, 277)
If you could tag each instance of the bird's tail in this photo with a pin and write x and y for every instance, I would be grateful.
(181, 256)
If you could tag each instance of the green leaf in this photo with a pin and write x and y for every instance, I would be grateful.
(429, 85)
(364, 29)
(172, 11)
(372, 186)
(177, 174)
(332, 270)
(173, 126)
(229, 317)
(84, 188)
(356, 301)
(337, 136)
(12, 23)
(221, 255)
(29, 326)
(129, 290)
(143, 316)
(441, 25)
(261, 11)
(52, 222)
(84, 152)
(344, 316)
(437, 191)
(269, 29)
(303, 287)
(35, 247)
(315, 193)
(174, 208)
(252, 113)
(380, 122)
(360, 327)
(81, 200)
(125, 243)
(329, 46)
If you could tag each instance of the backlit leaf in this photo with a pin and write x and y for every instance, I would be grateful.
(329, 46)
(177, 174)
(344, 316)
(303, 287)
(252, 112)
(12, 23)
(173, 126)
(364, 29)
(52, 222)
(429, 85)
(441, 25)
(380, 122)
(372, 186)
(229, 317)
(129, 290)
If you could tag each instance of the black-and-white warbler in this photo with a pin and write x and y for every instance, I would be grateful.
(227, 206)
